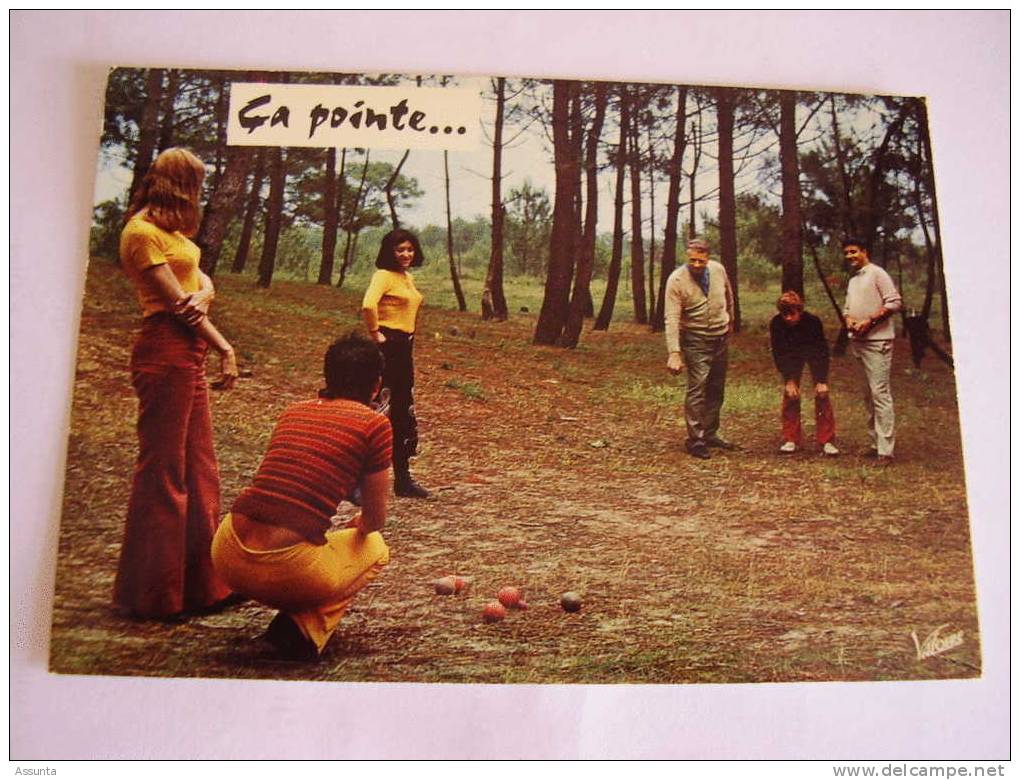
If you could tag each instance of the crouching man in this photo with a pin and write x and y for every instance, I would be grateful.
(277, 545)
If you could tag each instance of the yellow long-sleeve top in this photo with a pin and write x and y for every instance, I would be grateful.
(391, 301)
(143, 245)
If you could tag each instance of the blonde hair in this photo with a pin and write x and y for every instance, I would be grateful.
(171, 190)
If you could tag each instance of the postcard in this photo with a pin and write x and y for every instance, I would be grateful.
(669, 392)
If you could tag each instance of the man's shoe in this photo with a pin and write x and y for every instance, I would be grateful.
(698, 450)
(720, 443)
(406, 487)
(284, 634)
(788, 448)
(830, 449)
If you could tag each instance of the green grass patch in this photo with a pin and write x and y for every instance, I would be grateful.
(741, 396)
(471, 390)
(745, 396)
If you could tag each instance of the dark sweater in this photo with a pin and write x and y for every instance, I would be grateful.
(793, 346)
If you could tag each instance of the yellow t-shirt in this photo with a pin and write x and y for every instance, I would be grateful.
(144, 245)
(392, 301)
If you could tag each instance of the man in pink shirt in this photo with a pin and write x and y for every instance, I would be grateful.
(871, 300)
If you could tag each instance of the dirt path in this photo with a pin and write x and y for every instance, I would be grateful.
(556, 470)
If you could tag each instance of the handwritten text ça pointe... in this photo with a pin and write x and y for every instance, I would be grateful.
(397, 117)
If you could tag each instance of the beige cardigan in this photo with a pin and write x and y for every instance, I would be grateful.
(687, 307)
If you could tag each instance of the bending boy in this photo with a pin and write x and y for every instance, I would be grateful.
(796, 338)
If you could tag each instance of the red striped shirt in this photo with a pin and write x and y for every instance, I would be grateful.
(318, 453)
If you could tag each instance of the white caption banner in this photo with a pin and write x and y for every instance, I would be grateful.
(316, 115)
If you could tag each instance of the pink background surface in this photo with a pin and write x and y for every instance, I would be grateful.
(58, 67)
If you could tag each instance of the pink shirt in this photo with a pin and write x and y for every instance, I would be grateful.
(869, 291)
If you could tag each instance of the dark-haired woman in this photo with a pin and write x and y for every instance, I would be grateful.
(165, 569)
(276, 545)
(390, 310)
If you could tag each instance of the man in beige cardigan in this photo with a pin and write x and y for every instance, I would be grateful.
(699, 319)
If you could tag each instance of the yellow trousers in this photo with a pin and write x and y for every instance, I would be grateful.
(313, 584)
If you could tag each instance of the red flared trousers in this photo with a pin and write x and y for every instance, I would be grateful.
(165, 564)
(825, 419)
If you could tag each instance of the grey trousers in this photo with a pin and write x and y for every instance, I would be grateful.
(876, 359)
(705, 357)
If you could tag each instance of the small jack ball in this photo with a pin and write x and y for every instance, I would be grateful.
(570, 602)
(445, 586)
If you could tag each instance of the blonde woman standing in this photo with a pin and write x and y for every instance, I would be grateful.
(165, 570)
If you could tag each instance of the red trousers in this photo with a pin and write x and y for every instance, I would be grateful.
(825, 419)
(165, 563)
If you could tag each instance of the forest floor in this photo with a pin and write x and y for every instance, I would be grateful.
(555, 470)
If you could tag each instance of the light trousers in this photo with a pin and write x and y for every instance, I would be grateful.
(876, 359)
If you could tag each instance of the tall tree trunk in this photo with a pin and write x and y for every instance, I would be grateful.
(389, 189)
(637, 248)
(790, 225)
(341, 195)
(651, 224)
(224, 203)
(329, 219)
(946, 332)
(556, 299)
(696, 142)
(581, 299)
(222, 109)
(577, 141)
(849, 222)
(727, 196)
(148, 129)
(351, 245)
(668, 263)
(825, 285)
(274, 216)
(880, 159)
(616, 258)
(341, 189)
(493, 298)
(250, 212)
(166, 130)
(928, 167)
(929, 249)
(577, 148)
(354, 245)
(461, 303)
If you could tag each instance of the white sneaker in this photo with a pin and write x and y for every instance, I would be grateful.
(788, 447)
(830, 449)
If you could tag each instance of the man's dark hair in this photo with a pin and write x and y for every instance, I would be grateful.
(387, 259)
(855, 241)
(352, 366)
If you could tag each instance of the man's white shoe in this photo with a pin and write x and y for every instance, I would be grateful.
(788, 447)
(830, 449)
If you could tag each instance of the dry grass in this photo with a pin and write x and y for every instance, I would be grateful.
(554, 470)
